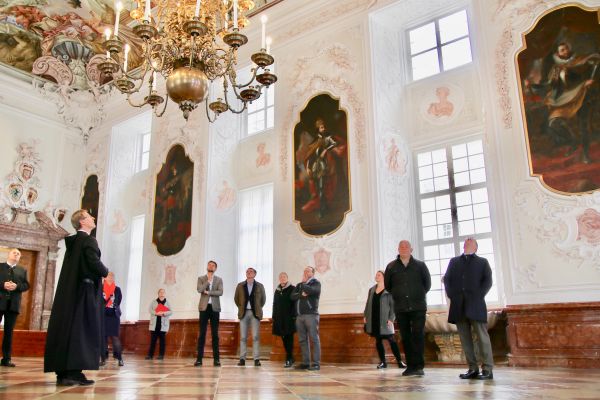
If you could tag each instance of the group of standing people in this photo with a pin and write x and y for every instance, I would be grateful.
(295, 309)
(400, 292)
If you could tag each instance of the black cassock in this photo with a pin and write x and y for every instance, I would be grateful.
(283, 312)
(74, 338)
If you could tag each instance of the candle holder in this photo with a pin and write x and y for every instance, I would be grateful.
(113, 45)
(235, 39)
(262, 58)
(108, 67)
(266, 78)
(218, 106)
(145, 31)
(250, 94)
(153, 99)
(195, 27)
(124, 85)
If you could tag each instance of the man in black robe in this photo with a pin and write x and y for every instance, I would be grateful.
(74, 338)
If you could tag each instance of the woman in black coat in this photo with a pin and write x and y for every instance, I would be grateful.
(284, 324)
(112, 296)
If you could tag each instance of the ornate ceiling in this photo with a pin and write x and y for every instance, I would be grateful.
(62, 40)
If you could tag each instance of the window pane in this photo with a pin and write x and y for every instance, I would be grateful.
(424, 158)
(442, 202)
(481, 210)
(461, 179)
(436, 282)
(430, 233)
(475, 147)
(425, 172)
(428, 204)
(434, 297)
(476, 161)
(444, 217)
(483, 225)
(145, 161)
(422, 38)
(431, 252)
(433, 266)
(459, 150)
(453, 26)
(444, 231)
(146, 143)
(440, 169)
(447, 250)
(428, 218)
(484, 246)
(270, 117)
(425, 65)
(478, 175)
(463, 198)
(456, 54)
(441, 183)
(466, 228)
(256, 105)
(438, 156)
(480, 195)
(444, 265)
(460, 165)
(465, 213)
(271, 95)
(426, 186)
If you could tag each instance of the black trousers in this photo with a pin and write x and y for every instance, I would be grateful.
(288, 345)
(10, 318)
(381, 351)
(205, 317)
(412, 330)
(116, 347)
(161, 338)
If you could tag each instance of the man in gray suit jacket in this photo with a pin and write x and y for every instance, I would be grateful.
(210, 288)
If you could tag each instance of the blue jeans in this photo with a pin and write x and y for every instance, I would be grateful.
(249, 319)
(307, 326)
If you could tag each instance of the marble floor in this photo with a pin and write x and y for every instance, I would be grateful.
(179, 379)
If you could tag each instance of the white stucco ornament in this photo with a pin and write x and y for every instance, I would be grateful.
(22, 186)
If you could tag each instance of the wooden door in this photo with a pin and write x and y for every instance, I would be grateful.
(28, 260)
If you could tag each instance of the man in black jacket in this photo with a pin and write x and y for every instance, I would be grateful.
(306, 295)
(13, 281)
(467, 280)
(408, 280)
(74, 338)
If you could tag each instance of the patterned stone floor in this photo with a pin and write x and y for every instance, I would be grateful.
(179, 379)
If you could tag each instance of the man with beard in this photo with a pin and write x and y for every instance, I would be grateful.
(74, 338)
(568, 81)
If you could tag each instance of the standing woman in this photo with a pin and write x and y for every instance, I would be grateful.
(379, 320)
(160, 311)
(112, 318)
(283, 317)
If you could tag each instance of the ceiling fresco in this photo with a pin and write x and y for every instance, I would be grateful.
(62, 40)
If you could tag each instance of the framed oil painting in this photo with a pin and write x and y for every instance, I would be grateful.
(173, 202)
(559, 75)
(91, 199)
(321, 167)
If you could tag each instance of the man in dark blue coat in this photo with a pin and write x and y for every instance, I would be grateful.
(468, 279)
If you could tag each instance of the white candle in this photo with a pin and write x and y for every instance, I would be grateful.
(264, 20)
(197, 11)
(269, 41)
(107, 55)
(107, 33)
(147, 11)
(118, 11)
(126, 54)
(154, 80)
(235, 16)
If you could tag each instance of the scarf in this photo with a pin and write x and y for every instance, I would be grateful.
(108, 291)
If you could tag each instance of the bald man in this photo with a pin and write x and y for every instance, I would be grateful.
(408, 280)
(13, 281)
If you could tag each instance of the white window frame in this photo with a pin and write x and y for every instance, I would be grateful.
(456, 239)
(439, 44)
(268, 95)
(140, 161)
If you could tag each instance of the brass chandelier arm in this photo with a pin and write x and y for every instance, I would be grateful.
(233, 110)
(164, 107)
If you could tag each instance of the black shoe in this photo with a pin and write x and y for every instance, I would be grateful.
(216, 363)
(241, 363)
(85, 382)
(382, 365)
(66, 382)
(257, 363)
(301, 366)
(418, 372)
(288, 363)
(314, 367)
(160, 357)
(198, 363)
(470, 374)
(121, 363)
(413, 372)
(148, 358)
(485, 375)
(7, 363)
(102, 363)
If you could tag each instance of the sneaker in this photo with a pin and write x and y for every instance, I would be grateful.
(382, 365)
(241, 363)
(314, 367)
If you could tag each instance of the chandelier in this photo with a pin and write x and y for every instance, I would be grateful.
(191, 43)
